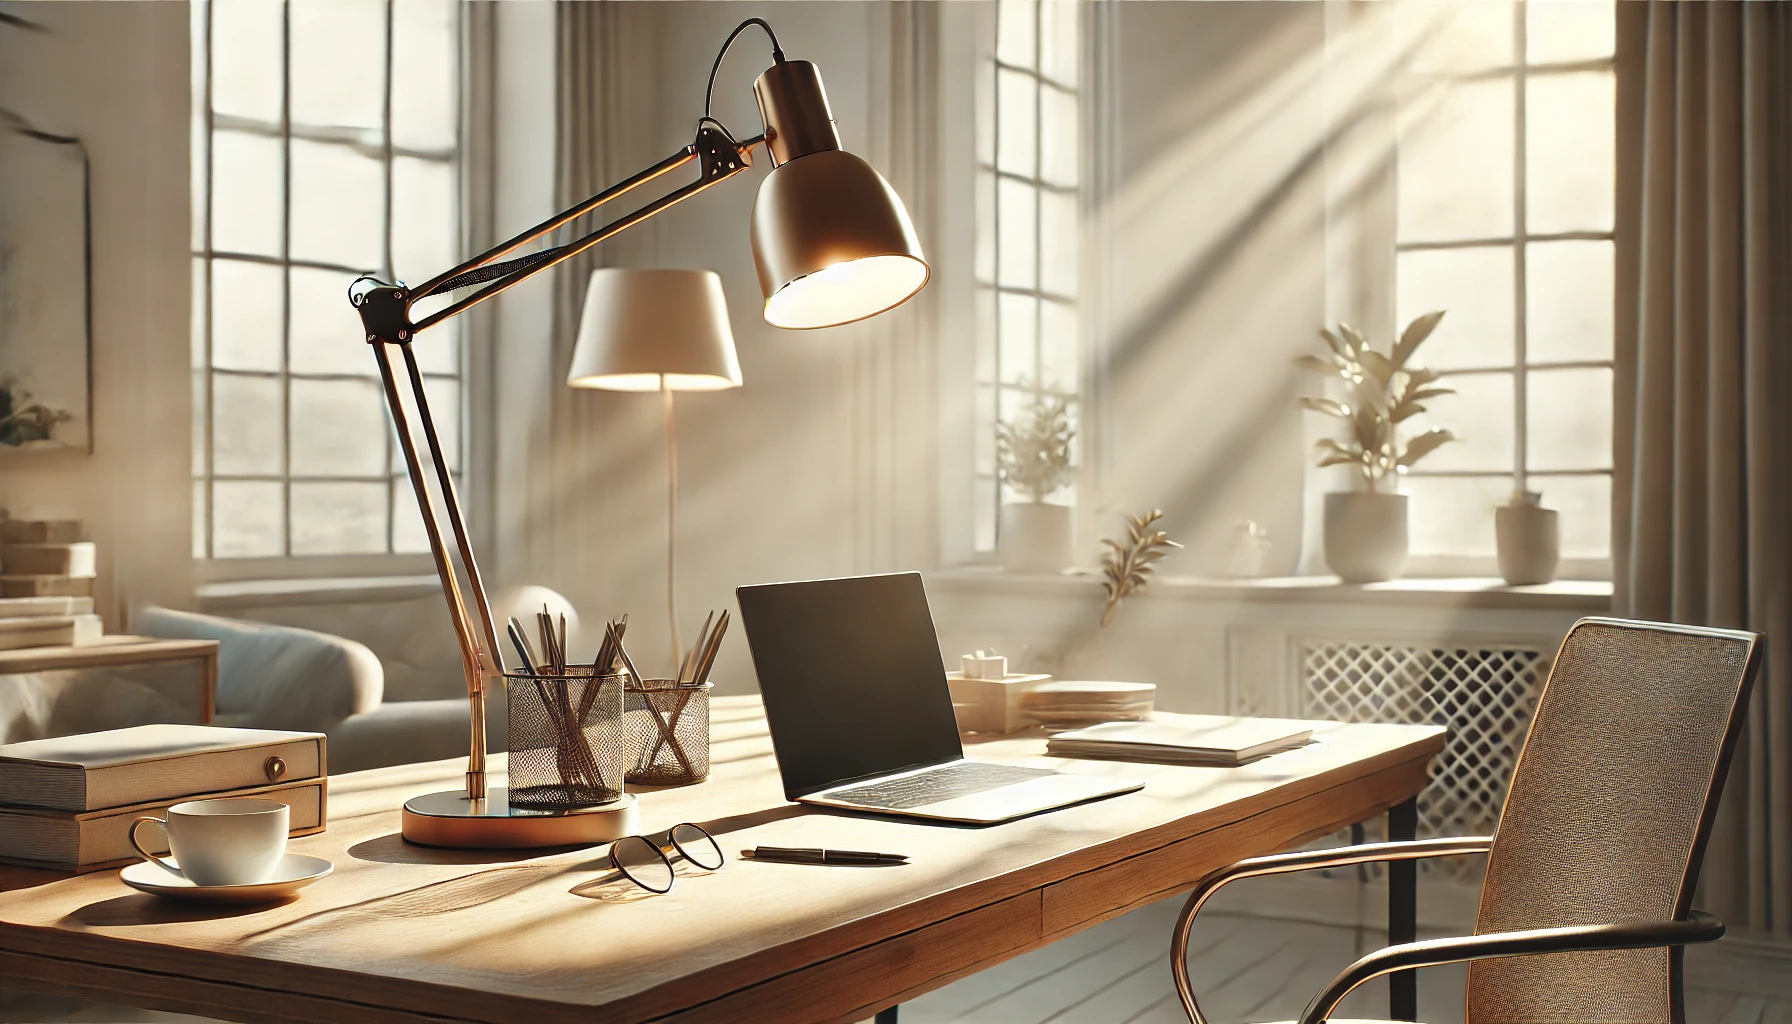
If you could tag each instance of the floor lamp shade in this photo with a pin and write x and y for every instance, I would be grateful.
(640, 325)
(831, 238)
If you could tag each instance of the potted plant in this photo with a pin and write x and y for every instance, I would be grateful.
(1033, 459)
(1365, 530)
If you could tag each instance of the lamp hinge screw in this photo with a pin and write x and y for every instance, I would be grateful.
(403, 335)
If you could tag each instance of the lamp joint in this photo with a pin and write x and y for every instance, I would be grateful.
(384, 313)
(718, 154)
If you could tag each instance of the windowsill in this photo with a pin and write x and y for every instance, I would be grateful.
(1588, 596)
(224, 596)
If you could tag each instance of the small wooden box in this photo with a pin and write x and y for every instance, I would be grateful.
(992, 705)
(79, 560)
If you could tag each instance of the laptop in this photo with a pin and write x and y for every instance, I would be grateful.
(860, 714)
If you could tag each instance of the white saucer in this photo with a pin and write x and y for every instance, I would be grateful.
(294, 872)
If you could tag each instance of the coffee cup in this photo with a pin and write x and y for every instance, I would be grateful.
(232, 841)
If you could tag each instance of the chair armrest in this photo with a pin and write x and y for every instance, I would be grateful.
(1284, 863)
(1700, 927)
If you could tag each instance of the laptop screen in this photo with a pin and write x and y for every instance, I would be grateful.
(851, 674)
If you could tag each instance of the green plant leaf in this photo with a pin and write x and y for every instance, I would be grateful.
(1378, 366)
(1338, 347)
(1327, 406)
(1320, 364)
(1354, 339)
(1414, 336)
(1424, 445)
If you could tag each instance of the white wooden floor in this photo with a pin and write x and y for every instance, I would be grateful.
(1246, 967)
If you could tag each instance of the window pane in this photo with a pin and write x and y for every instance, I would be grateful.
(327, 336)
(408, 536)
(1019, 333)
(1584, 507)
(1014, 31)
(1570, 414)
(985, 89)
(1453, 515)
(1569, 301)
(438, 350)
(338, 205)
(246, 310)
(425, 218)
(1482, 415)
(199, 530)
(1455, 163)
(246, 176)
(339, 64)
(1017, 123)
(246, 430)
(1452, 38)
(338, 519)
(425, 97)
(1058, 137)
(1017, 234)
(247, 519)
(1474, 289)
(1060, 40)
(1570, 165)
(1058, 345)
(245, 58)
(1569, 30)
(445, 407)
(1060, 262)
(338, 428)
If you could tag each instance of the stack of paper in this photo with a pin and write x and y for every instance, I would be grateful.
(1219, 740)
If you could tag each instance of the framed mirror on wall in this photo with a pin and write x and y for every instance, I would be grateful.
(46, 338)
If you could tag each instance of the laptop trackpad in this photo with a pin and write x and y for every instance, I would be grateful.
(1023, 798)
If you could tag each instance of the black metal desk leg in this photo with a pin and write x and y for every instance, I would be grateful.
(1403, 909)
(886, 1016)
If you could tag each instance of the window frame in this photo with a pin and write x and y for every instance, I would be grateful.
(1519, 73)
(987, 293)
(204, 255)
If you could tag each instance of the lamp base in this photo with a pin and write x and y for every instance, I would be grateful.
(450, 819)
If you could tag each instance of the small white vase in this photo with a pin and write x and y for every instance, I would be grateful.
(1530, 540)
(1365, 535)
(1036, 537)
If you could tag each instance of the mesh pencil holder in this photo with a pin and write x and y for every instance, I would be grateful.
(668, 732)
(566, 744)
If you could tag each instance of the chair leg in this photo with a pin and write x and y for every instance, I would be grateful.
(1403, 909)
(886, 1016)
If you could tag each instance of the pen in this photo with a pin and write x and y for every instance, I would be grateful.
(814, 855)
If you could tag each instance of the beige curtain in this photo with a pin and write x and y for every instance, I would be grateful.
(1703, 484)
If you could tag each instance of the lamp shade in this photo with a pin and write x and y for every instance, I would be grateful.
(831, 238)
(639, 326)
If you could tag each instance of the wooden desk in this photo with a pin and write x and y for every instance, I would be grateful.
(124, 651)
(402, 933)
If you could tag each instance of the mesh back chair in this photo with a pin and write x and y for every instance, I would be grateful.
(1590, 874)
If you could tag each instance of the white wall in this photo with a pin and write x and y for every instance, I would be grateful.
(116, 76)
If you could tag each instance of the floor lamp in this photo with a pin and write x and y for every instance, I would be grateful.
(832, 244)
(657, 330)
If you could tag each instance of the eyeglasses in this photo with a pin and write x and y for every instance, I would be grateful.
(644, 862)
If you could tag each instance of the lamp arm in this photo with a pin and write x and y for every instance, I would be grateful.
(385, 316)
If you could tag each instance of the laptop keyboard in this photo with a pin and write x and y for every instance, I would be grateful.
(961, 778)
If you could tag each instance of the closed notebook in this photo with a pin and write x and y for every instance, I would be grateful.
(152, 762)
(1221, 740)
(89, 840)
(50, 631)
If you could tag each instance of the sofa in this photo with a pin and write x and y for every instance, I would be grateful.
(281, 677)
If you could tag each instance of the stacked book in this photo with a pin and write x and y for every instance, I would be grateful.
(68, 803)
(1220, 741)
(46, 584)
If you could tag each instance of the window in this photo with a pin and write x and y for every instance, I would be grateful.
(1028, 258)
(1504, 206)
(326, 144)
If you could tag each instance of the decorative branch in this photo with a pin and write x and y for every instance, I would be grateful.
(1128, 565)
(1033, 450)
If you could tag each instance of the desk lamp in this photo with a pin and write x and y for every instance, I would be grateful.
(657, 330)
(832, 244)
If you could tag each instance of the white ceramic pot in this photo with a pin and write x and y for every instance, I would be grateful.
(1036, 537)
(1365, 535)
(1530, 542)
